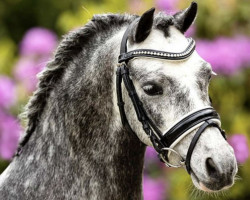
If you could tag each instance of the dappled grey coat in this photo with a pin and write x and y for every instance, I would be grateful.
(74, 146)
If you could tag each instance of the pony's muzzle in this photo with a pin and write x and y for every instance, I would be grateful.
(220, 174)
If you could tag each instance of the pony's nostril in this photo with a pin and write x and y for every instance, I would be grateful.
(212, 169)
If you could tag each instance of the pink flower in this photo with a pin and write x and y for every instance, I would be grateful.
(191, 31)
(38, 41)
(26, 70)
(153, 189)
(243, 44)
(240, 146)
(36, 49)
(9, 135)
(151, 153)
(226, 55)
(7, 92)
(135, 6)
(170, 6)
(151, 158)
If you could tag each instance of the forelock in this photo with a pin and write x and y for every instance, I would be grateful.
(162, 22)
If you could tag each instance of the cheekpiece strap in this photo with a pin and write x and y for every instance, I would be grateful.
(148, 126)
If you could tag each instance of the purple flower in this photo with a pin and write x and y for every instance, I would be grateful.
(153, 189)
(151, 153)
(239, 144)
(9, 135)
(226, 55)
(38, 41)
(169, 6)
(135, 6)
(26, 70)
(7, 92)
(191, 31)
(151, 158)
(243, 44)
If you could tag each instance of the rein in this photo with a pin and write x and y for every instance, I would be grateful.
(163, 143)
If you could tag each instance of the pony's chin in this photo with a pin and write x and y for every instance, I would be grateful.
(201, 186)
(204, 188)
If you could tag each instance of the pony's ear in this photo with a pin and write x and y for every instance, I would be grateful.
(144, 26)
(185, 18)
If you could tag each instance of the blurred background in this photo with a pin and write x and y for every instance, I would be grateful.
(30, 30)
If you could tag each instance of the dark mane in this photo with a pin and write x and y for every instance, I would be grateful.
(71, 45)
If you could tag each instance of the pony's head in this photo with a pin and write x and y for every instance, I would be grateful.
(171, 89)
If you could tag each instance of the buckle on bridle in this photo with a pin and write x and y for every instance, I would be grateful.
(120, 64)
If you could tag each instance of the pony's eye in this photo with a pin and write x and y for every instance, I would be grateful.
(152, 89)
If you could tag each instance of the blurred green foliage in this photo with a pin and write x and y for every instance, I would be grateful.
(223, 17)
(17, 16)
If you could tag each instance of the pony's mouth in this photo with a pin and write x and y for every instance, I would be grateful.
(211, 187)
(199, 184)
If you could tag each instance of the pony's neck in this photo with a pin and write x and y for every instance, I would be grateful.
(79, 148)
(106, 165)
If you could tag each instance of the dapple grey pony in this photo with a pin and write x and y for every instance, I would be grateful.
(75, 146)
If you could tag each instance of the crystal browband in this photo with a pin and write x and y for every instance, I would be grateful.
(159, 54)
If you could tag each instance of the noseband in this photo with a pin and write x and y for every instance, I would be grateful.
(162, 142)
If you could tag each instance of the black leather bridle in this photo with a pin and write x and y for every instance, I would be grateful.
(201, 119)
